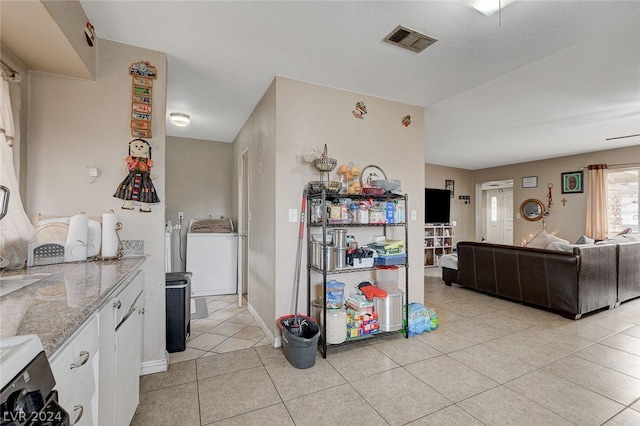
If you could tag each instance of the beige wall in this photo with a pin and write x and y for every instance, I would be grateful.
(258, 138)
(463, 214)
(199, 177)
(75, 124)
(67, 15)
(567, 221)
(292, 116)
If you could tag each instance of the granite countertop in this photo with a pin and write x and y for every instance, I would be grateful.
(55, 306)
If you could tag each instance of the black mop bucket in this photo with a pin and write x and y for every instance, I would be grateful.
(299, 340)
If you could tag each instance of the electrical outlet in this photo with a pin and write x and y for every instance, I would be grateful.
(180, 215)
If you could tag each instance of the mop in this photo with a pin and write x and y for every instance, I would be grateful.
(295, 328)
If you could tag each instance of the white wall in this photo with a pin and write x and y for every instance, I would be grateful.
(75, 124)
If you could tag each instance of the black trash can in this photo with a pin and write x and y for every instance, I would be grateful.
(178, 310)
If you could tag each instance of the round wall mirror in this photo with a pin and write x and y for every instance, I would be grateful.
(532, 209)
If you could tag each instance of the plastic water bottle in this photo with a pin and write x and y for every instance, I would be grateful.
(400, 217)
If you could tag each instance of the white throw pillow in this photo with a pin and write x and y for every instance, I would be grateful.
(585, 240)
(560, 246)
(543, 239)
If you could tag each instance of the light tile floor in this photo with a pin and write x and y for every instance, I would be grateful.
(491, 362)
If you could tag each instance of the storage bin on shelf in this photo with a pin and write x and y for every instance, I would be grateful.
(392, 259)
(387, 277)
(389, 310)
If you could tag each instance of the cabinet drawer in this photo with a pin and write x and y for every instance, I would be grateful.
(81, 402)
(127, 296)
(76, 357)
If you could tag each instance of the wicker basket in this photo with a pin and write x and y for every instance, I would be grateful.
(325, 164)
(330, 187)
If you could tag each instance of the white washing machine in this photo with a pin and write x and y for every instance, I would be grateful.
(212, 258)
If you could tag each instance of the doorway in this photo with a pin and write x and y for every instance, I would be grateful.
(497, 212)
(243, 225)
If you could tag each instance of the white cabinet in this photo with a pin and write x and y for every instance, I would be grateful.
(75, 368)
(438, 240)
(121, 345)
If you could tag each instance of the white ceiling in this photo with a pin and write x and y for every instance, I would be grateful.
(544, 79)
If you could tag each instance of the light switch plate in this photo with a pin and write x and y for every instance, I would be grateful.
(293, 215)
(414, 215)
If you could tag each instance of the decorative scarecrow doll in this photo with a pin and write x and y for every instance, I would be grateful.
(137, 185)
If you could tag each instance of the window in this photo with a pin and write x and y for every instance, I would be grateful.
(494, 208)
(622, 191)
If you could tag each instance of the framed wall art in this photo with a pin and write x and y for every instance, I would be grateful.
(449, 184)
(572, 182)
(530, 182)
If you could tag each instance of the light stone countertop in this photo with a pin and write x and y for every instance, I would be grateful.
(54, 307)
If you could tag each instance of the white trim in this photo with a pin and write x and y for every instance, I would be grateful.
(276, 342)
(154, 366)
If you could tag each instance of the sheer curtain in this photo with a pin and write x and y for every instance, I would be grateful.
(597, 209)
(16, 231)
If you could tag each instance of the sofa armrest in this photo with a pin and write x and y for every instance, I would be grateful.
(628, 270)
(597, 276)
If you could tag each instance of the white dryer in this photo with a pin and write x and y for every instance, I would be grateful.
(212, 257)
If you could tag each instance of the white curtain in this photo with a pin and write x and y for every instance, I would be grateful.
(16, 231)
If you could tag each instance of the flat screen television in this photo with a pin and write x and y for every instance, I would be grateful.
(437, 205)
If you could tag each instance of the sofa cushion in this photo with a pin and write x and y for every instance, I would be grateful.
(585, 240)
(560, 246)
(543, 239)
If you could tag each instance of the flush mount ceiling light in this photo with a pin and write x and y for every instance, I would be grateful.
(488, 7)
(179, 119)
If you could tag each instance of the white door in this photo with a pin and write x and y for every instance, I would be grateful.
(499, 216)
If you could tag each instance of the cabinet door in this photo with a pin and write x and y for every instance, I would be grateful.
(128, 354)
(107, 380)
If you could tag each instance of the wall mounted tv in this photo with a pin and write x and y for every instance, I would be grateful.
(437, 205)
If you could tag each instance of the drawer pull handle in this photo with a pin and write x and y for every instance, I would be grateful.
(84, 357)
(78, 410)
(117, 304)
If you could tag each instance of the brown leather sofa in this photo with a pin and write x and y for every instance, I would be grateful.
(628, 270)
(571, 284)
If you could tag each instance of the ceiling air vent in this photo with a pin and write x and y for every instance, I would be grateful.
(409, 39)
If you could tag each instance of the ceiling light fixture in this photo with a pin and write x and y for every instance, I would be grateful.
(488, 7)
(179, 119)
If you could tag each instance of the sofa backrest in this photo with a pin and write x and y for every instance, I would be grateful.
(546, 278)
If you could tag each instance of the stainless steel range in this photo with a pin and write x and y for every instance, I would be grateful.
(26, 379)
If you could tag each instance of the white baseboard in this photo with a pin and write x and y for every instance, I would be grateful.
(276, 342)
(154, 366)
